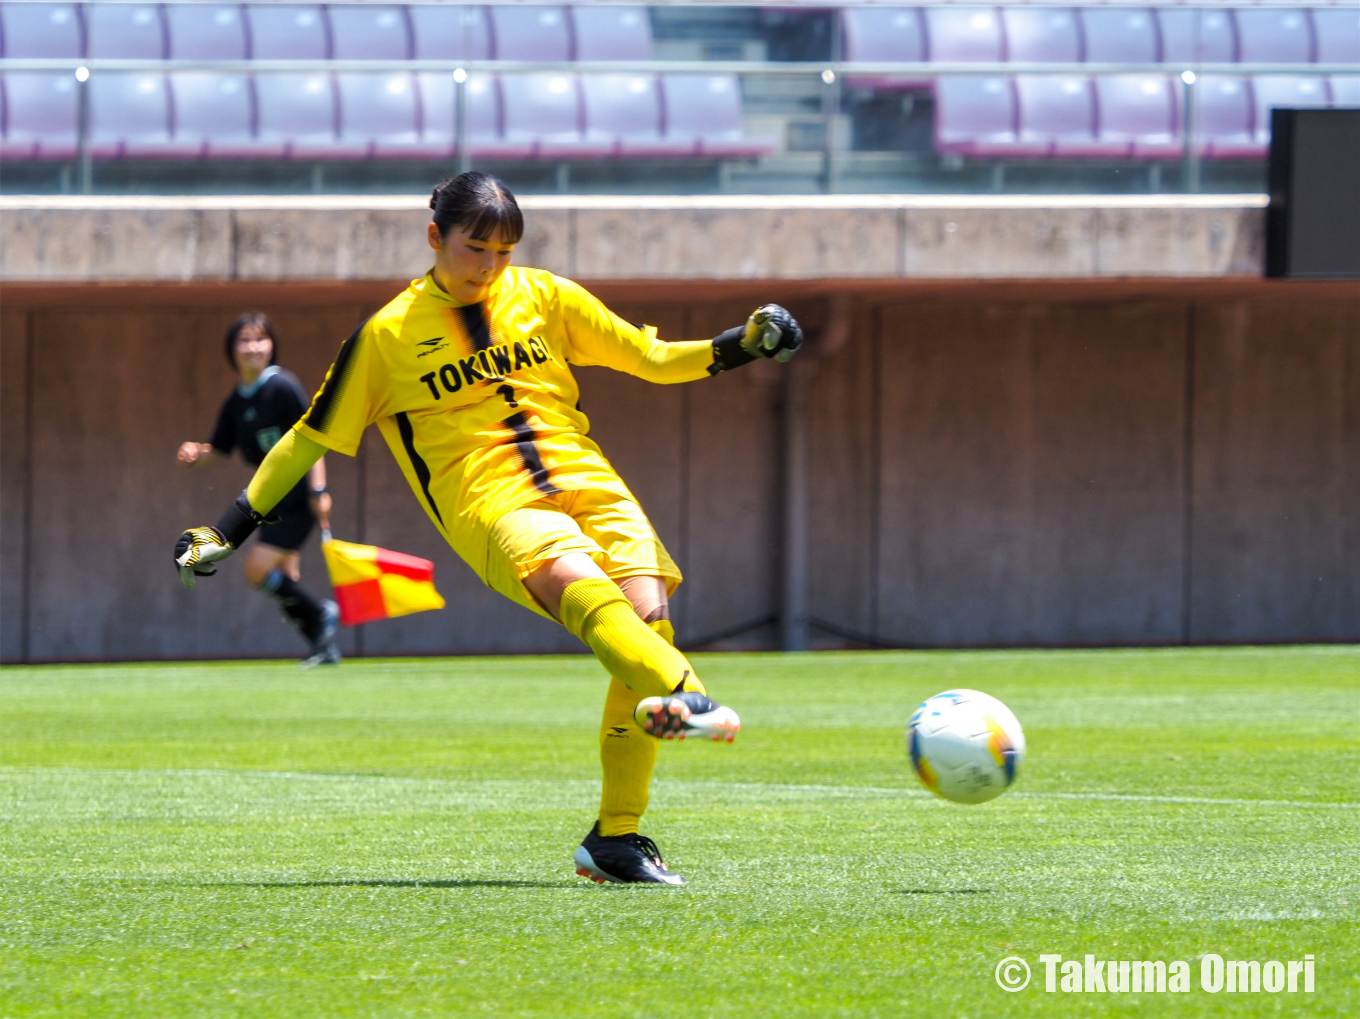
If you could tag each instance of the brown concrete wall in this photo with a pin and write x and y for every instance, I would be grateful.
(991, 465)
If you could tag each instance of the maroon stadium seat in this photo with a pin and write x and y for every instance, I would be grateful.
(369, 32)
(1337, 30)
(215, 114)
(608, 32)
(40, 115)
(544, 110)
(1182, 27)
(287, 32)
(450, 32)
(130, 116)
(1137, 112)
(1119, 35)
(125, 31)
(1056, 116)
(1041, 34)
(1274, 35)
(380, 112)
(884, 35)
(1286, 90)
(206, 31)
(1223, 117)
(975, 116)
(964, 34)
(299, 112)
(34, 30)
(623, 111)
(530, 33)
(705, 110)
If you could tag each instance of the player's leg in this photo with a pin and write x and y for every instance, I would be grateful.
(274, 566)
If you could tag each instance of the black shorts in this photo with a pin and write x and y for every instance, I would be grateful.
(290, 533)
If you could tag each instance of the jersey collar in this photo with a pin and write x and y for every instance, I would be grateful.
(248, 391)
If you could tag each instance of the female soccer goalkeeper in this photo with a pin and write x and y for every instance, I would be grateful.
(466, 374)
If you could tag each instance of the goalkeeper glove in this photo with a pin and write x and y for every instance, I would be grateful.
(199, 549)
(770, 332)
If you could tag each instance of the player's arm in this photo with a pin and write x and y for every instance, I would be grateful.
(598, 336)
(199, 549)
(319, 496)
(198, 454)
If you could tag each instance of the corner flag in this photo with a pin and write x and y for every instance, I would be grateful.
(372, 583)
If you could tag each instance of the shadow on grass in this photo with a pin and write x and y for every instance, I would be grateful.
(397, 883)
(941, 891)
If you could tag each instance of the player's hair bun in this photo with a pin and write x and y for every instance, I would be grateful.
(478, 203)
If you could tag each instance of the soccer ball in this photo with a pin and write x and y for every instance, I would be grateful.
(965, 746)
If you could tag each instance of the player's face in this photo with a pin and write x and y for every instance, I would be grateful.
(465, 266)
(253, 350)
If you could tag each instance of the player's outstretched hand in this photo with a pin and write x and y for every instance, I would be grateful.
(197, 551)
(772, 332)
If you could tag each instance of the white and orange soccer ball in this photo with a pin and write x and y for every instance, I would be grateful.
(965, 746)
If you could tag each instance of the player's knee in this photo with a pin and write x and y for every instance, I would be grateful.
(647, 595)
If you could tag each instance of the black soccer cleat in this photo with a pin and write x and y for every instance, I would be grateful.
(324, 649)
(622, 859)
(686, 714)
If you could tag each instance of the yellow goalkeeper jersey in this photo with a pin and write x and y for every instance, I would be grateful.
(478, 403)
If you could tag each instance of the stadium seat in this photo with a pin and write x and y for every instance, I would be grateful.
(450, 32)
(1056, 116)
(1197, 36)
(1286, 90)
(964, 34)
(298, 111)
(1119, 35)
(214, 113)
(1346, 90)
(483, 113)
(130, 116)
(369, 32)
(883, 35)
(40, 115)
(1223, 117)
(125, 31)
(975, 116)
(530, 33)
(1337, 31)
(623, 112)
(287, 32)
(607, 32)
(34, 30)
(704, 110)
(379, 113)
(544, 111)
(1274, 35)
(1137, 113)
(1041, 34)
(206, 32)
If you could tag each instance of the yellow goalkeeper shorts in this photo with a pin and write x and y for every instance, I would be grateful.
(606, 526)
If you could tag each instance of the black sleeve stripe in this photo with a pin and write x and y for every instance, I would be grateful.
(474, 324)
(418, 464)
(318, 415)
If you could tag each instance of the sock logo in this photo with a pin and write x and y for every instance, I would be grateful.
(617, 732)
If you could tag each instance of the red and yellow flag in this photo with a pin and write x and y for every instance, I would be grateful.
(372, 583)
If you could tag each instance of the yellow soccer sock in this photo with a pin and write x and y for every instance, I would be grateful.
(596, 611)
(627, 754)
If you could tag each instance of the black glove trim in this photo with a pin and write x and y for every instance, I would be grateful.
(240, 521)
(727, 352)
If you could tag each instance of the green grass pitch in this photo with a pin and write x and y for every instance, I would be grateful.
(394, 838)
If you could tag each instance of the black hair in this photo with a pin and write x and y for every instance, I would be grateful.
(480, 204)
(249, 318)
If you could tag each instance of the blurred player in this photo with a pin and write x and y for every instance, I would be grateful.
(262, 408)
(466, 374)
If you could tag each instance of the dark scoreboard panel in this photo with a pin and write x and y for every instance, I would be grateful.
(1313, 223)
